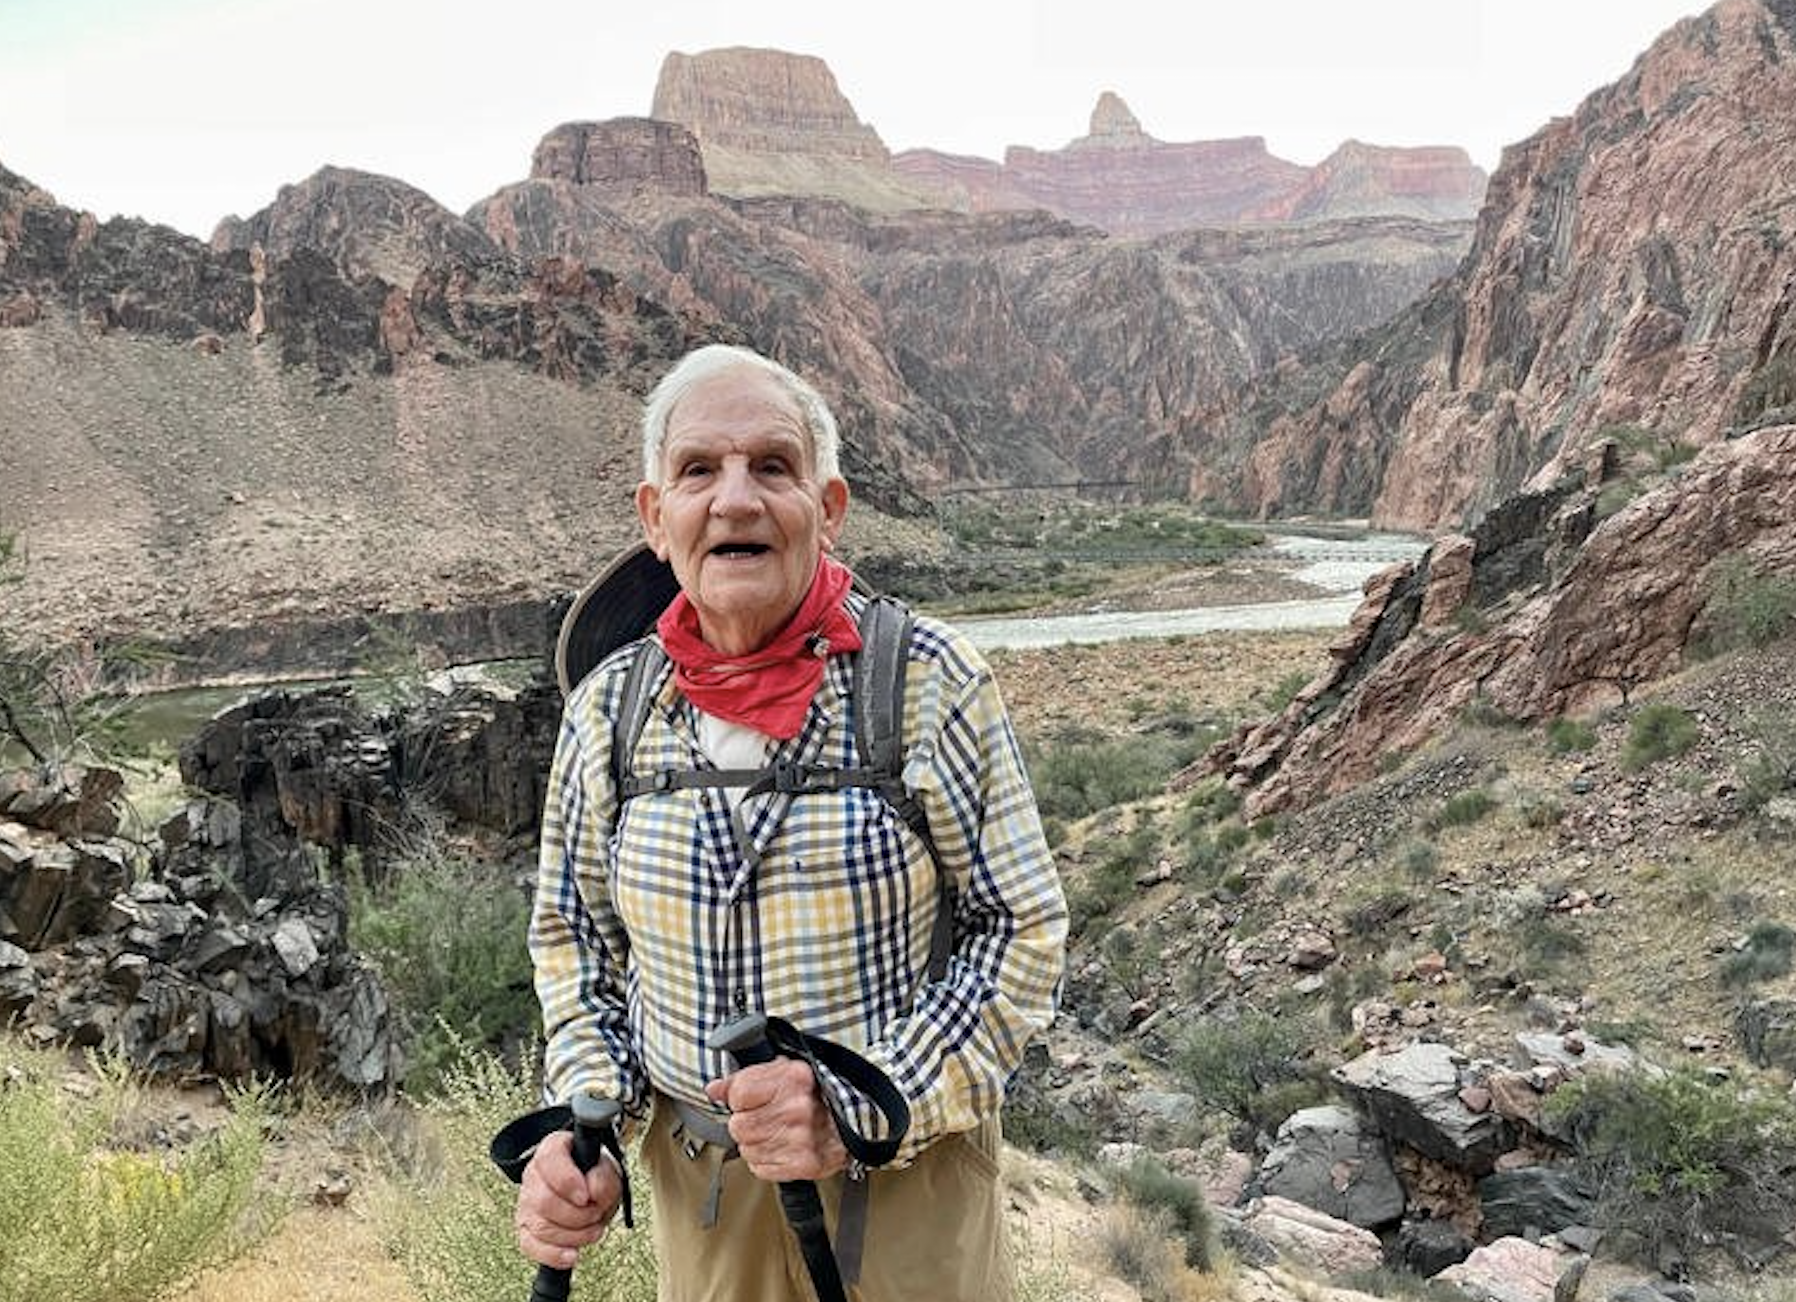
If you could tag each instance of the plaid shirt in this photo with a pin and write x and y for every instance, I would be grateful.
(650, 931)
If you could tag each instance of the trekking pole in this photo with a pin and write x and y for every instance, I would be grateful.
(745, 1040)
(594, 1121)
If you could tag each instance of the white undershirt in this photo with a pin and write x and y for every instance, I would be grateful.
(732, 746)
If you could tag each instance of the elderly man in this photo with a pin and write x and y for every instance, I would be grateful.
(662, 916)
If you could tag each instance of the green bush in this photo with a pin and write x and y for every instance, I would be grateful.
(1769, 951)
(87, 1218)
(1179, 1202)
(448, 936)
(449, 1221)
(1465, 808)
(1112, 881)
(1082, 772)
(1659, 731)
(1256, 1067)
(1771, 770)
(1681, 1162)
(1565, 735)
(1772, 385)
(1748, 607)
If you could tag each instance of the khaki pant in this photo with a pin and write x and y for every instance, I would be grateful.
(935, 1230)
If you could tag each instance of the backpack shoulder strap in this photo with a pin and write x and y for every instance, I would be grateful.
(879, 674)
(633, 711)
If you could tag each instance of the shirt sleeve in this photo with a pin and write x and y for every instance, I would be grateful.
(954, 1054)
(578, 947)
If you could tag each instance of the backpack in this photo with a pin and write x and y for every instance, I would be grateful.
(879, 673)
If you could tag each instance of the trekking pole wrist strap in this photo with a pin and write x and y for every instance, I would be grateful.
(517, 1141)
(831, 1061)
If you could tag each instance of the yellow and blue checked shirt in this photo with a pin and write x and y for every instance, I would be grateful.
(649, 932)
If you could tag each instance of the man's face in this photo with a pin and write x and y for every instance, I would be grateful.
(737, 512)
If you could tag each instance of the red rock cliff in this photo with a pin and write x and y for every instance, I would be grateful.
(1632, 268)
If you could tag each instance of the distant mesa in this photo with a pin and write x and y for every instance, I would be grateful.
(769, 122)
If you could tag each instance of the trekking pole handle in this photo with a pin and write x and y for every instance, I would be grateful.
(594, 1118)
(745, 1040)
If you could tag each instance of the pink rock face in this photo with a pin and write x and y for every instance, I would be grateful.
(1630, 269)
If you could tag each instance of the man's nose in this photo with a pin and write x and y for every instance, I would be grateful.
(736, 492)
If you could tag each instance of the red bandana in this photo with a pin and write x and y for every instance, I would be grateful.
(770, 689)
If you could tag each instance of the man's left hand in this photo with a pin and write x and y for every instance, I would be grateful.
(779, 1123)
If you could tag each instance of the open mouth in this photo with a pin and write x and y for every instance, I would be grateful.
(739, 549)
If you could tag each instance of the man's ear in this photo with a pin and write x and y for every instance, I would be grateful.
(648, 510)
(835, 509)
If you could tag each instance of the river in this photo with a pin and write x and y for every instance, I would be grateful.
(1337, 567)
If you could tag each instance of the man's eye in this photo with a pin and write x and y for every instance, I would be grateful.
(776, 466)
(693, 470)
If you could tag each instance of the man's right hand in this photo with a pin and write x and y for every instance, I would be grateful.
(559, 1209)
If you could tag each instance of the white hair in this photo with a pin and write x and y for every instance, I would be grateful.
(713, 359)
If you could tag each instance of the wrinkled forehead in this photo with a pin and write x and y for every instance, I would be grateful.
(744, 405)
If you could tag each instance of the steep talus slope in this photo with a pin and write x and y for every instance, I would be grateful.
(195, 439)
(1633, 266)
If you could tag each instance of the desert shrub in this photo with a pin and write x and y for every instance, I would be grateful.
(1680, 1161)
(1748, 607)
(1565, 735)
(87, 1218)
(1769, 950)
(1545, 940)
(1285, 690)
(448, 1218)
(1134, 1247)
(1256, 1067)
(1540, 811)
(1370, 913)
(1178, 1201)
(1080, 773)
(1772, 385)
(1771, 770)
(1464, 808)
(1417, 858)
(448, 936)
(1659, 731)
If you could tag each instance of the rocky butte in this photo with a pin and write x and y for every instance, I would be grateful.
(1123, 180)
(769, 122)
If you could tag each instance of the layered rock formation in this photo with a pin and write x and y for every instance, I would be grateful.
(1005, 346)
(1631, 269)
(1122, 180)
(1360, 180)
(622, 158)
(769, 122)
(1543, 610)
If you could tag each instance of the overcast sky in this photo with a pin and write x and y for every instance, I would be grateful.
(185, 111)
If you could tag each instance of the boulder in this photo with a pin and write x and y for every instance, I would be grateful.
(1324, 1158)
(1309, 1236)
(1413, 1094)
(1508, 1270)
(1530, 1201)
